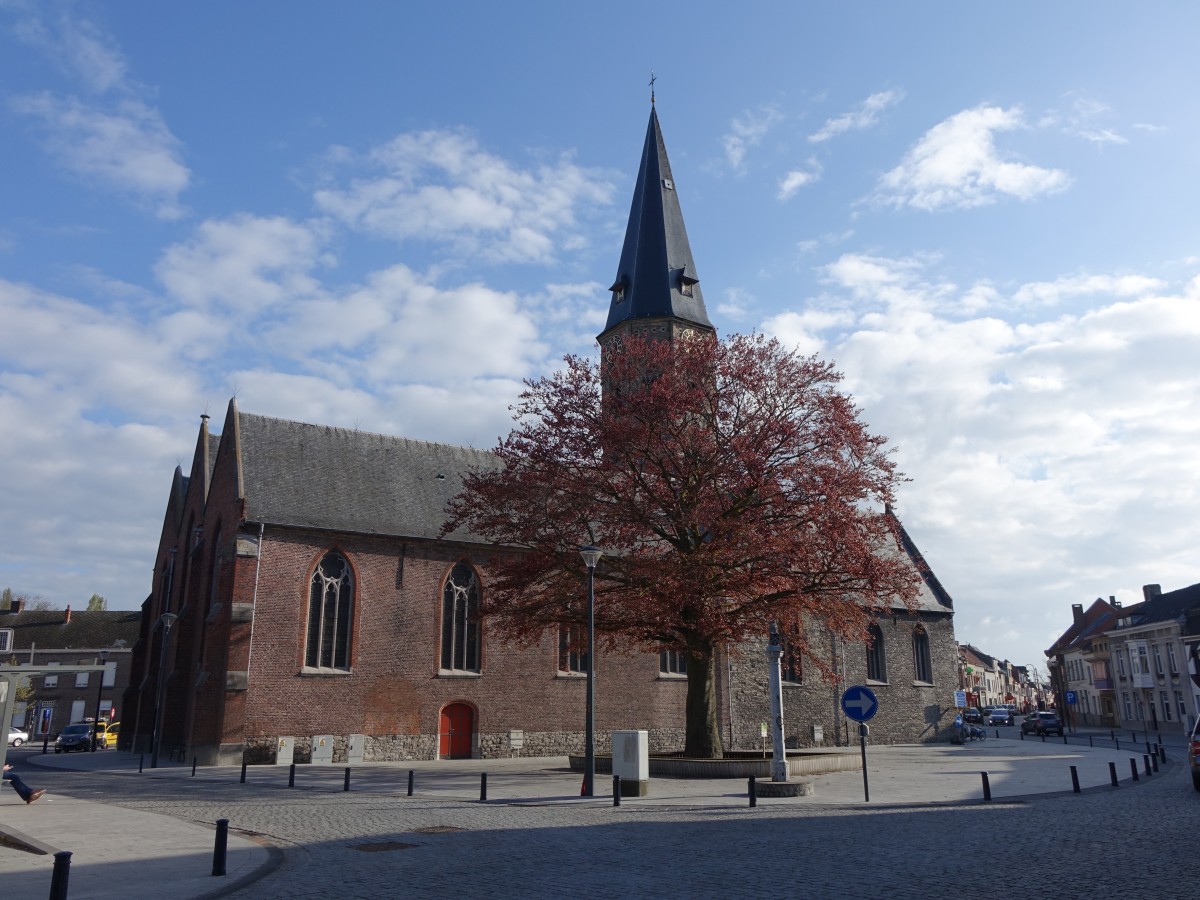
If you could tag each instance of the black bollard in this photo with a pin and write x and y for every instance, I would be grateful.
(46, 744)
(219, 846)
(1043, 737)
(411, 773)
(1162, 752)
(1022, 734)
(997, 734)
(1154, 760)
(243, 771)
(483, 788)
(1064, 737)
(346, 780)
(1133, 767)
(193, 767)
(752, 793)
(1112, 736)
(1116, 743)
(987, 788)
(616, 790)
(292, 775)
(1090, 744)
(1074, 779)
(62, 872)
(1148, 750)
(1146, 759)
(141, 760)
(1112, 773)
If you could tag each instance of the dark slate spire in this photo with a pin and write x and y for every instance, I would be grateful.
(657, 277)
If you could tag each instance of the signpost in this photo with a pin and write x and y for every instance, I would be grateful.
(860, 704)
(960, 699)
(1071, 697)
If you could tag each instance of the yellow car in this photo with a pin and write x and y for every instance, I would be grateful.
(112, 733)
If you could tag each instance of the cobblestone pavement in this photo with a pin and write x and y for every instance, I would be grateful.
(1134, 841)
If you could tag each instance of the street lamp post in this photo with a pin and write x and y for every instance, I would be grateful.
(99, 690)
(166, 620)
(591, 555)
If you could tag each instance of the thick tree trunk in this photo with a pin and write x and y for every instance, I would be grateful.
(703, 738)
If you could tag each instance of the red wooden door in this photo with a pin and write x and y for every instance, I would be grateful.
(457, 729)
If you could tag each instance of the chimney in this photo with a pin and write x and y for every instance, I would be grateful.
(1077, 613)
(1150, 591)
(67, 615)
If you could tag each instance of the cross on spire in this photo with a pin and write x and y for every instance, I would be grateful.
(653, 78)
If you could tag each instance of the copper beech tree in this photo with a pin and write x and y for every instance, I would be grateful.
(729, 484)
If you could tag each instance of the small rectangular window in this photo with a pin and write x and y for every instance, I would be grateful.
(81, 679)
(672, 662)
(572, 649)
(50, 681)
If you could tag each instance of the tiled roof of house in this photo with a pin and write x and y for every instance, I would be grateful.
(49, 630)
(1164, 607)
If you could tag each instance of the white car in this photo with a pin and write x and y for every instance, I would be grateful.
(16, 738)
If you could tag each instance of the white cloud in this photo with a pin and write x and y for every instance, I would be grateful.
(798, 178)
(747, 131)
(127, 149)
(863, 116)
(113, 141)
(243, 265)
(1049, 293)
(77, 47)
(442, 186)
(1058, 451)
(956, 165)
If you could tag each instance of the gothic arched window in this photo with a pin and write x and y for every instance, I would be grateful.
(876, 658)
(922, 665)
(330, 604)
(460, 620)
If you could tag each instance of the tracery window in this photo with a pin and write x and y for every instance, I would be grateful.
(876, 657)
(922, 664)
(330, 604)
(460, 620)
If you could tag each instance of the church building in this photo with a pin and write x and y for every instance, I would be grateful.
(302, 590)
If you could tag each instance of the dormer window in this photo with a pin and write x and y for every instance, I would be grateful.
(685, 285)
(618, 290)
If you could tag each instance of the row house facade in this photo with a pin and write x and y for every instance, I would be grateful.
(67, 638)
(1154, 654)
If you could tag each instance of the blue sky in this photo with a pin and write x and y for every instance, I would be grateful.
(384, 216)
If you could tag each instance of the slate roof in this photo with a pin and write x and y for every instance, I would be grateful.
(656, 259)
(1164, 607)
(932, 597)
(338, 479)
(46, 630)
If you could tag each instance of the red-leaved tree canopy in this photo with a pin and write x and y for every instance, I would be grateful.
(729, 484)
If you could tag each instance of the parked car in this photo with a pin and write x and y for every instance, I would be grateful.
(1000, 716)
(112, 733)
(1194, 755)
(1043, 723)
(77, 737)
(16, 737)
(973, 716)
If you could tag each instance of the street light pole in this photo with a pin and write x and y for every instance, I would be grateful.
(99, 689)
(166, 620)
(591, 555)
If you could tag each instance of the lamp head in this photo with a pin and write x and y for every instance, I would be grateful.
(591, 555)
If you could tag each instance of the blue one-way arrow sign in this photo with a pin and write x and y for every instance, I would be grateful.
(859, 703)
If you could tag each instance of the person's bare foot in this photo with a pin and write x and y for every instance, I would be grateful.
(34, 796)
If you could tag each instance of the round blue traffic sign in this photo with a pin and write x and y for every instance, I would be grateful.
(859, 703)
